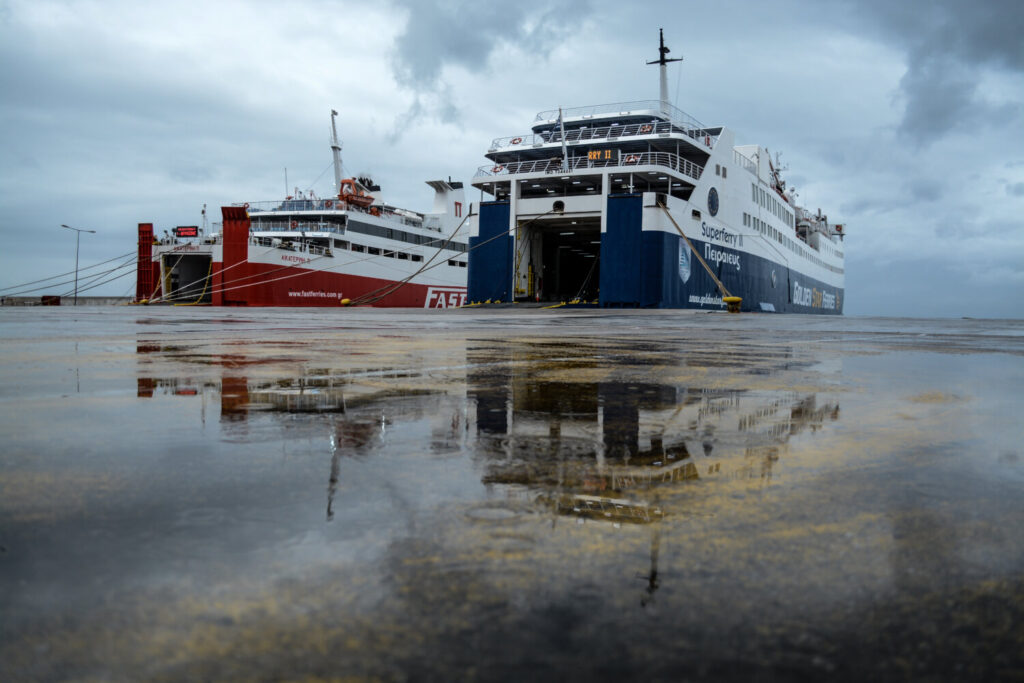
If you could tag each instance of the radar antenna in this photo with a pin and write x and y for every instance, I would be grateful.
(662, 63)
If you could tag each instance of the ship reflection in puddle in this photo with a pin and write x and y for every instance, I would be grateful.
(604, 450)
(600, 450)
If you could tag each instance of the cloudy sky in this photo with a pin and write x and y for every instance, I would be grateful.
(904, 120)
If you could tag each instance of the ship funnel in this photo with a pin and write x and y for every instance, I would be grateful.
(449, 203)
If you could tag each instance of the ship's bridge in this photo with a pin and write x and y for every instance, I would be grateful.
(637, 146)
(646, 172)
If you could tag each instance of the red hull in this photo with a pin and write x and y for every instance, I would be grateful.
(299, 287)
(240, 282)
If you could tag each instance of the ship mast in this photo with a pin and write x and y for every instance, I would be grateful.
(336, 151)
(663, 63)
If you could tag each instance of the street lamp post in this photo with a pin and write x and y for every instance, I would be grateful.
(78, 234)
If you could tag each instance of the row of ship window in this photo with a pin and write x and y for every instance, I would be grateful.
(789, 243)
(377, 251)
(368, 229)
(403, 236)
(765, 199)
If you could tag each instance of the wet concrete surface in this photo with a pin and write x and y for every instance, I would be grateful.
(204, 494)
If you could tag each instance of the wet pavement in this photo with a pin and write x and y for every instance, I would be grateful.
(232, 494)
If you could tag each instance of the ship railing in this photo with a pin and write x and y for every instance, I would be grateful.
(625, 109)
(296, 205)
(291, 226)
(290, 245)
(616, 160)
(604, 133)
(744, 162)
(327, 205)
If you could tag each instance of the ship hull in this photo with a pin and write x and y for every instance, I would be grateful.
(766, 286)
(639, 259)
(239, 269)
(270, 285)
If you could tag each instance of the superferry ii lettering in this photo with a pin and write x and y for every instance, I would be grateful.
(719, 234)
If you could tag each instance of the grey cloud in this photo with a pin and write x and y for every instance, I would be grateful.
(871, 205)
(939, 95)
(1015, 189)
(949, 43)
(936, 288)
(190, 172)
(925, 189)
(465, 33)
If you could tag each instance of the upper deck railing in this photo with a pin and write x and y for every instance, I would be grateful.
(554, 166)
(290, 205)
(744, 162)
(677, 116)
(604, 133)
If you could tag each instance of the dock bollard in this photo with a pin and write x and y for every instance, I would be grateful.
(732, 303)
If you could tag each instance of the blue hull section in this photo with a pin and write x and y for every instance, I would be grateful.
(680, 281)
(622, 254)
(490, 256)
(654, 269)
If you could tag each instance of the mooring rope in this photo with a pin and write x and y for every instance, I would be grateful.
(721, 287)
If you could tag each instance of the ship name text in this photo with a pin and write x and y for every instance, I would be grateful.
(720, 256)
(438, 297)
(719, 234)
(813, 297)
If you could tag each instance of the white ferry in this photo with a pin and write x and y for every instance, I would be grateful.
(350, 249)
(637, 204)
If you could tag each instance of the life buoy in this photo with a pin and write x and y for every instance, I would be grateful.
(329, 204)
(498, 169)
(632, 158)
(646, 128)
(295, 225)
(516, 141)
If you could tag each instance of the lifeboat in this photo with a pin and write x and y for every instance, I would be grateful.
(353, 193)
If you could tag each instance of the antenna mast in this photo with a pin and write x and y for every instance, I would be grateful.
(336, 151)
(662, 62)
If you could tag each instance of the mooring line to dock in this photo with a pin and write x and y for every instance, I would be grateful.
(368, 298)
(733, 302)
(71, 272)
(507, 233)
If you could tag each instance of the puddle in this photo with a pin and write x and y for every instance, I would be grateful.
(638, 495)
